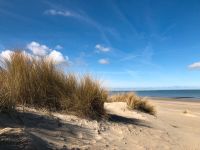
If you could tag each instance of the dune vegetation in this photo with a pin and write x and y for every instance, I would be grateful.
(134, 102)
(39, 83)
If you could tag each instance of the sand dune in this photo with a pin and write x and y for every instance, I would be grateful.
(172, 128)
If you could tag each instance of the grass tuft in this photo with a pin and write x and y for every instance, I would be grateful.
(134, 102)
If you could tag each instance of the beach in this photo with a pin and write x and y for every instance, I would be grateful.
(172, 128)
(99, 75)
(180, 120)
(175, 126)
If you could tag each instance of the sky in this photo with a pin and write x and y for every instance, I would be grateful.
(123, 43)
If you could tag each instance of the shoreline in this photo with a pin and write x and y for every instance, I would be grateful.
(182, 95)
(193, 100)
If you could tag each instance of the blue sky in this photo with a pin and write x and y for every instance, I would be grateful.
(126, 44)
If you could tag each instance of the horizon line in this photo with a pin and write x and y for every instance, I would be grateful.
(153, 88)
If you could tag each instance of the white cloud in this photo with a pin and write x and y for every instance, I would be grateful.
(103, 61)
(42, 50)
(5, 54)
(57, 57)
(195, 65)
(38, 49)
(54, 12)
(102, 48)
(58, 47)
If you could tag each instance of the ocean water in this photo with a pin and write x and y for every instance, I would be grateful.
(166, 93)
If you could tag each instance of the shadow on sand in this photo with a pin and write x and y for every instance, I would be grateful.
(42, 131)
(125, 120)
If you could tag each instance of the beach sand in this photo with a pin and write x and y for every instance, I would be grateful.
(176, 126)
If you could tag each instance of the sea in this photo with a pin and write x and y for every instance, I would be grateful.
(178, 94)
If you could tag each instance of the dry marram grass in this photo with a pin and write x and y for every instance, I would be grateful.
(37, 82)
(134, 102)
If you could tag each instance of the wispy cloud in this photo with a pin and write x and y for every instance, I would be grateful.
(58, 47)
(81, 16)
(129, 57)
(54, 12)
(194, 66)
(144, 56)
(104, 61)
(80, 60)
(102, 48)
(121, 15)
(147, 53)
